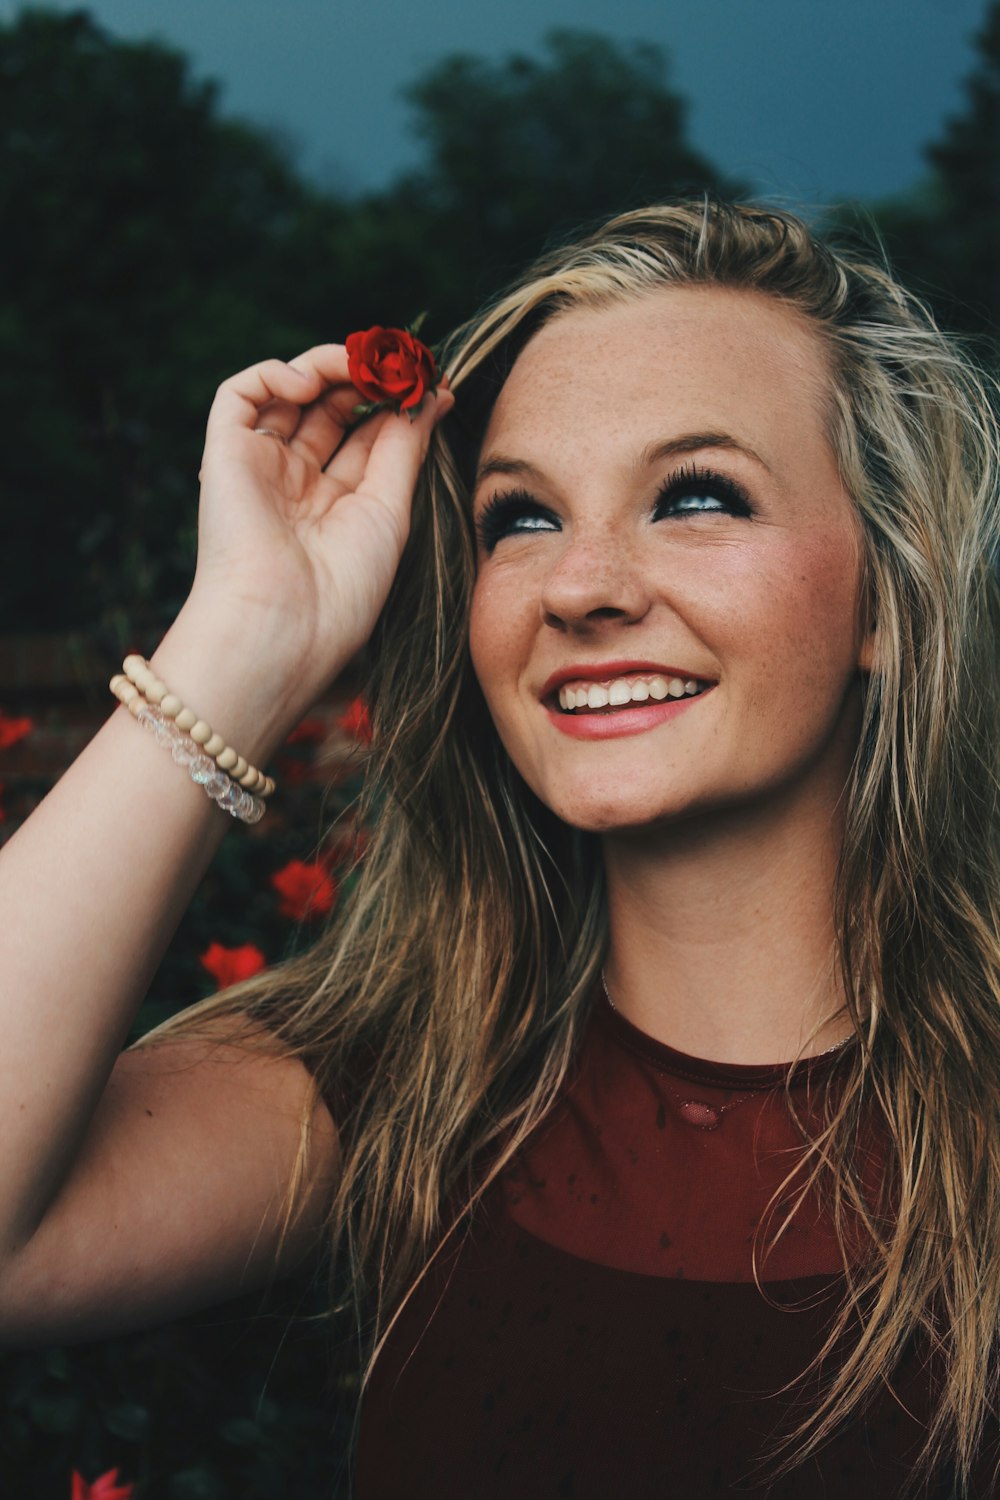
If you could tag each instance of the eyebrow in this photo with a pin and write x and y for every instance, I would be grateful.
(689, 442)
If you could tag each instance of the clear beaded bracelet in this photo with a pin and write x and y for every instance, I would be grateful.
(138, 671)
(232, 798)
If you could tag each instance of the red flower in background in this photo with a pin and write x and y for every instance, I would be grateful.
(104, 1488)
(310, 731)
(305, 890)
(229, 965)
(389, 365)
(12, 730)
(356, 721)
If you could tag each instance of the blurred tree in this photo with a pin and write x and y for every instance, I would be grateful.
(523, 150)
(945, 237)
(142, 262)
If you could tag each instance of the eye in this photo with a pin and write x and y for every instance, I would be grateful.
(512, 513)
(694, 492)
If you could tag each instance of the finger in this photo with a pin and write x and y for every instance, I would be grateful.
(240, 399)
(324, 424)
(348, 465)
(278, 416)
(397, 452)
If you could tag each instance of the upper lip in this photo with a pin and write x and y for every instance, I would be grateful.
(602, 670)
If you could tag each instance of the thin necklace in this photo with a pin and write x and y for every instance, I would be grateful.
(697, 1112)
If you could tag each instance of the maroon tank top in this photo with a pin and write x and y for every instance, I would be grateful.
(598, 1331)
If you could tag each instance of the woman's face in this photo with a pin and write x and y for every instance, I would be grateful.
(665, 620)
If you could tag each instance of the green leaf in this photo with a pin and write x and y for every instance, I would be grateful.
(417, 323)
(55, 1414)
(127, 1420)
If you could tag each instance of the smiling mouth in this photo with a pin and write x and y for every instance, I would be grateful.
(608, 697)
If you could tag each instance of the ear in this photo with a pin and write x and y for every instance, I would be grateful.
(866, 649)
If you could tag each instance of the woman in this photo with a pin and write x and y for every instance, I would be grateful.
(684, 721)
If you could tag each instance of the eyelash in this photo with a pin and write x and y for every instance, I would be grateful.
(502, 510)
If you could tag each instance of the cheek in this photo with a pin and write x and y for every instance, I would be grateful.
(495, 631)
(805, 621)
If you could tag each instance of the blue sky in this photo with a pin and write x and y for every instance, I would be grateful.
(809, 100)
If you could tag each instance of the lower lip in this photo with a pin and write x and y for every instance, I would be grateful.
(635, 720)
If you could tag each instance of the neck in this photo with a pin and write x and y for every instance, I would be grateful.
(722, 934)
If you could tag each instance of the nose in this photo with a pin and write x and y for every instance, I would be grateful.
(594, 579)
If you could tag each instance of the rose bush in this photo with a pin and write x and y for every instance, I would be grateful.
(390, 366)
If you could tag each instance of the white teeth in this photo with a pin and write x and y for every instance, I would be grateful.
(623, 690)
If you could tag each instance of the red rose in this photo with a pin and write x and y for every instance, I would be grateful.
(12, 730)
(104, 1488)
(389, 364)
(305, 889)
(229, 965)
(355, 721)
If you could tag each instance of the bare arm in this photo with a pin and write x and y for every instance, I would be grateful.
(176, 1197)
(132, 1186)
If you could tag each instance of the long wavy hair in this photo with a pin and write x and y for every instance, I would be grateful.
(442, 1009)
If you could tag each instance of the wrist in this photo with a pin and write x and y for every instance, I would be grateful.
(237, 676)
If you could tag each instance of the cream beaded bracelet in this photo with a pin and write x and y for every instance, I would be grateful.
(168, 720)
(141, 675)
(230, 797)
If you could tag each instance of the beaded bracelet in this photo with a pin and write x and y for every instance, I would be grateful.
(189, 739)
(220, 787)
(141, 675)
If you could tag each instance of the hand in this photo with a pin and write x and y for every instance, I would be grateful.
(309, 534)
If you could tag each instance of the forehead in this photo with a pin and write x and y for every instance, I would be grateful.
(700, 359)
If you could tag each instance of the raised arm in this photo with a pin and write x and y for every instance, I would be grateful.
(134, 1185)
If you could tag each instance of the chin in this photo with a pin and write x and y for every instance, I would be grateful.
(616, 813)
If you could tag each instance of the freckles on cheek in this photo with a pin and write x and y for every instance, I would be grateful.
(492, 635)
(821, 611)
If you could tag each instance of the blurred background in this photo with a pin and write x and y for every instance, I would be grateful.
(187, 188)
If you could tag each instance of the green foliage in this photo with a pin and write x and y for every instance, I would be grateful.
(232, 1402)
(945, 237)
(144, 245)
(522, 151)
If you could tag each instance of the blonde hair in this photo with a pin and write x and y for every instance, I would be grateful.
(442, 1009)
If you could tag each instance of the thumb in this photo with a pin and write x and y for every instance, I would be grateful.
(399, 450)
